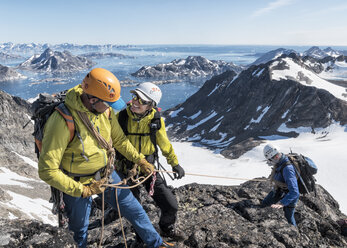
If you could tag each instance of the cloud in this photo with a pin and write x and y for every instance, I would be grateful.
(270, 7)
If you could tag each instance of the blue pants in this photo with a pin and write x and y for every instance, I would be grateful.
(274, 197)
(78, 211)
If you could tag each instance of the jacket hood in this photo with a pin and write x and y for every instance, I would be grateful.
(73, 99)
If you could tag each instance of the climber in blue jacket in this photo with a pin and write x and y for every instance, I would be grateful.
(285, 193)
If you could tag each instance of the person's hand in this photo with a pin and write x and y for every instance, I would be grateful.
(96, 187)
(145, 167)
(277, 206)
(179, 171)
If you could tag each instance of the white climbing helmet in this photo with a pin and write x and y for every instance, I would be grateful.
(270, 151)
(148, 92)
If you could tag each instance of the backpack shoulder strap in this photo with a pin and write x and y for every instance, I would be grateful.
(66, 114)
(123, 121)
(154, 127)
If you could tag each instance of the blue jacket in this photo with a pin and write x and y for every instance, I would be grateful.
(289, 178)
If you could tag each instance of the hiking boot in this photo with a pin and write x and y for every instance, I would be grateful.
(166, 244)
(174, 234)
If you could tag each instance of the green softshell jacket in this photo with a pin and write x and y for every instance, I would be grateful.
(143, 126)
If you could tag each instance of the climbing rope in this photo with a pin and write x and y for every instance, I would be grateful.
(221, 177)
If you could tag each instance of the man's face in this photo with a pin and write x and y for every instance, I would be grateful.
(275, 159)
(98, 105)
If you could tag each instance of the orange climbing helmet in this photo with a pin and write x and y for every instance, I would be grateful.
(102, 84)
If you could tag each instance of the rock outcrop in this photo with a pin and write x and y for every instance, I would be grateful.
(210, 216)
(9, 74)
(191, 67)
(54, 61)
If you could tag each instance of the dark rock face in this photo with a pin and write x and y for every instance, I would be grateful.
(230, 109)
(211, 216)
(327, 64)
(54, 61)
(191, 67)
(16, 142)
(15, 113)
(28, 233)
(9, 74)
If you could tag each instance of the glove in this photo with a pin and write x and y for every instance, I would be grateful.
(94, 188)
(145, 167)
(179, 171)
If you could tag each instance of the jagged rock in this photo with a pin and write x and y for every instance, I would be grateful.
(191, 67)
(55, 61)
(222, 216)
(9, 74)
(274, 98)
(29, 233)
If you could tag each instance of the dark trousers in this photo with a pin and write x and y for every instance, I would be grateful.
(165, 200)
(275, 196)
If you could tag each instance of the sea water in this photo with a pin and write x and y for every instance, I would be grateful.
(173, 93)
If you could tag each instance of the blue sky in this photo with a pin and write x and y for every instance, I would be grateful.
(234, 22)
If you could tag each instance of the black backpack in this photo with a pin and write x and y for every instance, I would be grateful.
(305, 170)
(43, 108)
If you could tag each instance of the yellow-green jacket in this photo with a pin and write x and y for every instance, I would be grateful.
(83, 155)
(142, 125)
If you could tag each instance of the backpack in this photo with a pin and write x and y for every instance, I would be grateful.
(305, 168)
(43, 108)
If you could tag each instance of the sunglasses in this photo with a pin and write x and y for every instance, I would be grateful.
(142, 102)
(99, 100)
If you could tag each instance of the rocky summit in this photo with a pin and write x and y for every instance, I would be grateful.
(9, 74)
(191, 67)
(232, 112)
(55, 61)
(210, 216)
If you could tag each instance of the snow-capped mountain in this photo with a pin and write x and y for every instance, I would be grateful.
(329, 67)
(274, 54)
(191, 67)
(101, 55)
(7, 56)
(233, 113)
(317, 53)
(31, 48)
(54, 61)
(9, 74)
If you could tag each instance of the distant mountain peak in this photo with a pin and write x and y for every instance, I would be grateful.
(190, 67)
(55, 61)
